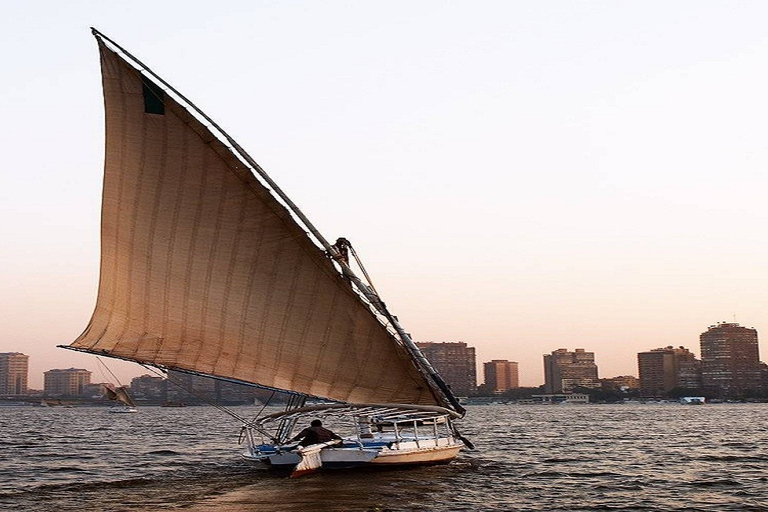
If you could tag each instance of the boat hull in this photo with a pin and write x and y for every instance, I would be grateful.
(341, 458)
(433, 455)
(123, 410)
(386, 435)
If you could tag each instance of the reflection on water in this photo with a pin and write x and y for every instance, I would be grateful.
(528, 458)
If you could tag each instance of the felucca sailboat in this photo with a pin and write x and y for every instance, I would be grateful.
(120, 395)
(207, 267)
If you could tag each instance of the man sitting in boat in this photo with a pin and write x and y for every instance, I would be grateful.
(314, 434)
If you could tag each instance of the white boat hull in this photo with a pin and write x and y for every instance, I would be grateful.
(411, 453)
(386, 435)
(122, 410)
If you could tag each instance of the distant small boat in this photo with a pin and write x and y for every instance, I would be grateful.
(119, 394)
(693, 400)
(173, 404)
(121, 409)
(54, 403)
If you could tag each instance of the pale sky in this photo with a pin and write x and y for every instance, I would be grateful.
(521, 176)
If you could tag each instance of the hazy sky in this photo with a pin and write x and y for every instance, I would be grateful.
(521, 176)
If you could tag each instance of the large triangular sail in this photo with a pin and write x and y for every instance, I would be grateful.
(204, 270)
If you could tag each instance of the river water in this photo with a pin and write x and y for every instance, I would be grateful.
(528, 458)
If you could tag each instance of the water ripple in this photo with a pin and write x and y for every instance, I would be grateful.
(709, 458)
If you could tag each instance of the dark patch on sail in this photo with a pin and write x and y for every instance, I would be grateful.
(154, 98)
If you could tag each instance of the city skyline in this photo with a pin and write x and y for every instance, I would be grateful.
(726, 348)
(517, 177)
(128, 370)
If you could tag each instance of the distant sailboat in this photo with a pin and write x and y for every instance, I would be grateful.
(120, 394)
(208, 268)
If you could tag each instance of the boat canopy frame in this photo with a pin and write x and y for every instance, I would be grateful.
(378, 414)
(382, 412)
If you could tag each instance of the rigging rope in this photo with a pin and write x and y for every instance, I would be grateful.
(110, 371)
(365, 272)
(264, 406)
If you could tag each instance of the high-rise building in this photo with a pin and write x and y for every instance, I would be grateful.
(656, 370)
(730, 360)
(69, 382)
(664, 369)
(501, 375)
(14, 370)
(455, 362)
(565, 371)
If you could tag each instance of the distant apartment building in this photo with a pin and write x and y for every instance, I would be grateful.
(730, 360)
(688, 369)
(69, 382)
(14, 371)
(148, 387)
(186, 387)
(764, 377)
(189, 388)
(621, 383)
(566, 371)
(233, 392)
(501, 375)
(664, 369)
(95, 389)
(455, 362)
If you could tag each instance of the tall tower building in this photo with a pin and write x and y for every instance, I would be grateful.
(657, 371)
(455, 362)
(663, 369)
(69, 382)
(501, 375)
(565, 371)
(14, 371)
(730, 359)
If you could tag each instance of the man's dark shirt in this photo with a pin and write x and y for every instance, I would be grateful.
(314, 435)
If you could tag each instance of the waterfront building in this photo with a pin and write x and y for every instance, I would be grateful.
(621, 383)
(764, 376)
(185, 387)
(69, 382)
(14, 372)
(501, 375)
(233, 392)
(95, 389)
(730, 360)
(688, 369)
(664, 369)
(656, 370)
(148, 387)
(455, 361)
(565, 371)
(181, 387)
